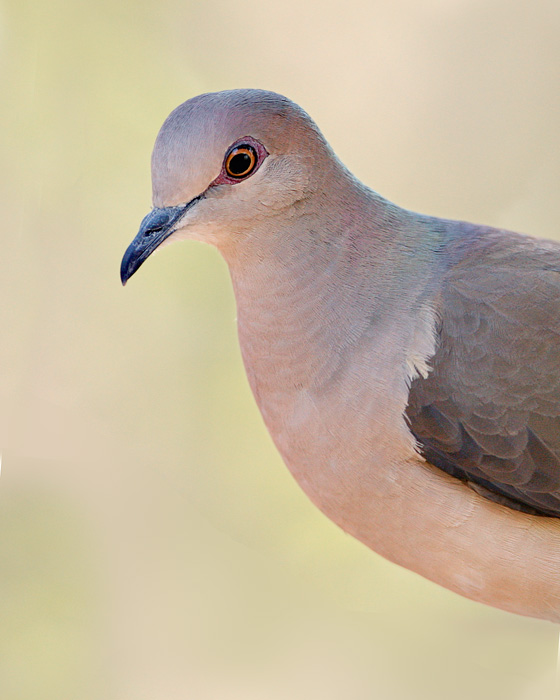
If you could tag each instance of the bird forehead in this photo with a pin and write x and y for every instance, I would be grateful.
(186, 158)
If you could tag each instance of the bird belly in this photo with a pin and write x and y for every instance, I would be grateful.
(346, 442)
(384, 494)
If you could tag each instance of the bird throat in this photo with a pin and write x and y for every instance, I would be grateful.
(321, 359)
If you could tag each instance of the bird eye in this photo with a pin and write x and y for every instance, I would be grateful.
(241, 161)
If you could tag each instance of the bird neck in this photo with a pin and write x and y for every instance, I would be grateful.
(348, 271)
(335, 317)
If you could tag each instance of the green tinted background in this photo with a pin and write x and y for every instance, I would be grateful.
(152, 544)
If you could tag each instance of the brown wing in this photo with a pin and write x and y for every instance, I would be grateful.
(489, 412)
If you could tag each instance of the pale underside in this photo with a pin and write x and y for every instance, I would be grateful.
(489, 405)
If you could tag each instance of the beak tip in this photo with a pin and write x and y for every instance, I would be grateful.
(130, 263)
(124, 273)
(154, 229)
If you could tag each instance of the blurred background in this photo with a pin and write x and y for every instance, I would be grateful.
(152, 544)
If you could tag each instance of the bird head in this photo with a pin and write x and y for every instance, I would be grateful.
(224, 164)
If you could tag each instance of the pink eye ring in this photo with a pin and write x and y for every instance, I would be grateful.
(242, 159)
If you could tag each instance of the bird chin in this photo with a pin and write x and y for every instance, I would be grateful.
(179, 235)
(193, 231)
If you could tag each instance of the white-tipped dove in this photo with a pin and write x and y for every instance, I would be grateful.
(406, 366)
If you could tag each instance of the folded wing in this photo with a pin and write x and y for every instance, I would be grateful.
(489, 411)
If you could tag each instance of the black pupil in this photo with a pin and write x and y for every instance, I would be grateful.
(240, 163)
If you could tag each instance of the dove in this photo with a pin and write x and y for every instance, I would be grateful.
(406, 366)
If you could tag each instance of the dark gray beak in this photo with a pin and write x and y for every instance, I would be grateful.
(154, 229)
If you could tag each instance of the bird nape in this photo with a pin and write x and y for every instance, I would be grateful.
(406, 366)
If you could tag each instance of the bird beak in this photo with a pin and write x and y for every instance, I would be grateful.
(158, 225)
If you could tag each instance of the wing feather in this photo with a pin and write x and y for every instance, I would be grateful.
(489, 410)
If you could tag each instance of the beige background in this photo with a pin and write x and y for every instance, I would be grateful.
(152, 544)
